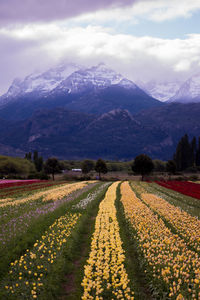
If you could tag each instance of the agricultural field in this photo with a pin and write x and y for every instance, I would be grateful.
(187, 188)
(99, 240)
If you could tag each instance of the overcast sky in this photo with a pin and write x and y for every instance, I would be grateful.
(143, 39)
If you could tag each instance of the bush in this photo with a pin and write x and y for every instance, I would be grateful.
(159, 165)
(38, 175)
(194, 178)
(43, 176)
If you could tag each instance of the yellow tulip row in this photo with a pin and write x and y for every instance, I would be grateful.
(139, 187)
(50, 194)
(168, 257)
(27, 275)
(5, 200)
(60, 193)
(188, 226)
(105, 276)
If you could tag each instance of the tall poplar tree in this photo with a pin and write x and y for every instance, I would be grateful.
(198, 154)
(183, 155)
(193, 151)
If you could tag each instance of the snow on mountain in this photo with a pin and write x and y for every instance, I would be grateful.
(189, 91)
(98, 76)
(162, 91)
(41, 82)
(69, 78)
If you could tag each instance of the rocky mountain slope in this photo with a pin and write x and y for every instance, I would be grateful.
(113, 135)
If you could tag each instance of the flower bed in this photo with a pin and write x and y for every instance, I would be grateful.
(174, 268)
(185, 224)
(187, 188)
(105, 276)
(27, 275)
(49, 195)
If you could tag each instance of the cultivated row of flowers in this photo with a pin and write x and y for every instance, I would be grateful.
(173, 266)
(188, 204)
(90, 197)
(185, 224)
(48, 195)
(27, 275)
(105, 276)
(61, 192)
(185, 187)
(14, 221)
(16, 190)
(17, 182)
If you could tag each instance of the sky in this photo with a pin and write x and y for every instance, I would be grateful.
(142, 39)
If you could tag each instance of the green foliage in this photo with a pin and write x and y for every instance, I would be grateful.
(37, 160)
(28, 156)
(87, 166)
(38, 163)
(39, 175)
(159, 165)
(198, 154)
(171, 167)
(183, 155)
(71, 164)
(119, 166)
(52, 166)
(101, 167)
(193, 150)
(143, 165)
(187, 154)
(14, 166)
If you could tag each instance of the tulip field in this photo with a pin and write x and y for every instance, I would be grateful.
(99, 240)
(187, 188)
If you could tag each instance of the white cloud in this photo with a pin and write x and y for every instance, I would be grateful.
(157, 11)
(163, 10)
(144, 58)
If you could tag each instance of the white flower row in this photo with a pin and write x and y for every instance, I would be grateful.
(90, 197)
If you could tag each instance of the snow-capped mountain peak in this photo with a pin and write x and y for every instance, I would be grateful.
(41, 82)
(189, 91)
(67, 78)
(102, 71)
(99, 76)
(95, 77)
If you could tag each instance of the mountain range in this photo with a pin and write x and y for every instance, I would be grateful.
(74, 112)
(92, 90)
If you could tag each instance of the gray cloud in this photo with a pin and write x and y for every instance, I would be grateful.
(25, 11)
(39, 47)
(19, 58)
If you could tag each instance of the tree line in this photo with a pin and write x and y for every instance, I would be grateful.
(186, 156)
(53, 165)
(187, 153)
